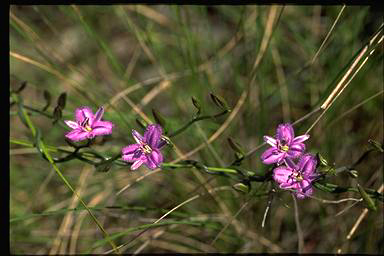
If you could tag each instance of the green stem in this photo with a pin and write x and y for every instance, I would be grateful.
(212, 169)
(38, 111)
(195, 120)
(332, 188)
(59, 173)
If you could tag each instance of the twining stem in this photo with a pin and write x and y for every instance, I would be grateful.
(195, 120)
(332, 188)
(212, 169)
(38, 111)
(59, 173)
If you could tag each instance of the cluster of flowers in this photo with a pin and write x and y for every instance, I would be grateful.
(146, 150)
(284, 148)
(290, 175)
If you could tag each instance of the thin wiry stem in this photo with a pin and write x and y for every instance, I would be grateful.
(169, 212)
(346, 208)
(229, 223)
(271, 192)
(361, 217)
(355, 107)
(328, 34)
(184, 127)
(282, 84)
(300, 237)
(366, 51)
(325, 201)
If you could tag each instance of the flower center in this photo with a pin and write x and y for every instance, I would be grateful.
(284, 148)
(298, 176)
(145, 148)
(85, 125)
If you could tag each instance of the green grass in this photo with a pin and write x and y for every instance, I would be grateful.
(94, 53)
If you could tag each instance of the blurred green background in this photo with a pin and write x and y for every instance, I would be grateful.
(135, 58)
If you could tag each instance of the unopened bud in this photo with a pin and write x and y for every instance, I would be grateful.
(241, 187)
(219, 101)
(322, 160)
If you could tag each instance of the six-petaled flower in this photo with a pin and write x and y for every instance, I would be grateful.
(297, 177)
(284, 145)
(88, 125)
(147, 148)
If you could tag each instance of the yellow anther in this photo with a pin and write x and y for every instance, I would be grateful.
(284, 148)
(298, 177)
(146, 149)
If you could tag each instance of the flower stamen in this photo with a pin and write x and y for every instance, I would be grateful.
(298, 176)
(85, 125)
(146, 149)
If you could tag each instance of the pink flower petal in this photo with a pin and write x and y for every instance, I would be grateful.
(300, 195)
(83, 112)
(271, 141)
(282, 175)
(285, 133)
(301, 138)
(137, 136)
(71, 124)
(153, 134)
(291, 185)
(161, 143)
(77, 135)
(137, 164)
(304, 189)
(128, 152)
(99, 114)
(150, 163)
(271, 156)
(102, 128)
(296, 149)
(307, 164)
(155, 158)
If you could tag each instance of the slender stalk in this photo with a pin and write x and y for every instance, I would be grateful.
(300, 236)
(59, 173)
(173, 134)
(212, 169)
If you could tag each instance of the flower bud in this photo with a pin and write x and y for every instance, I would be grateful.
(236, 147)
(197, 105)
(367, 199)
(47, 97)
(62, 100)
(353, 173)
(376, 145)
(242, 187)
(219, 101)
(57, 114)
(322, 160)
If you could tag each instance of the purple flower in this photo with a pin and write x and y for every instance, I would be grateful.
(88, 125)
(297, 177)
(284, 146)
(147, 148)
